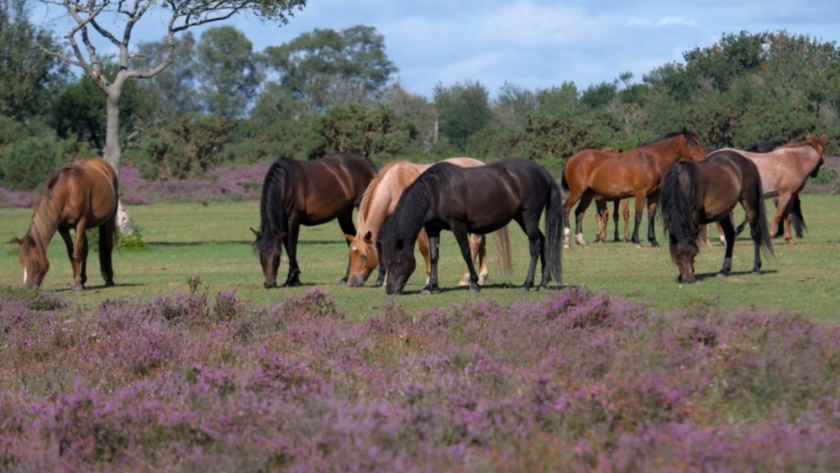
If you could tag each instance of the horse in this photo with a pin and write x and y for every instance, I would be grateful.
(697, 193)
(314, 192)
(477, 200)
(378, 204)
(633, 173)
(602, 214)
(784, 171)
(77, 196)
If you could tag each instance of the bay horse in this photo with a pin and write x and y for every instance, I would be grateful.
(784, 171)
(633, 173)
(77, 196)
(697, 193)
(602, 214)
(314, 192)
(378, 204)
(476, 200)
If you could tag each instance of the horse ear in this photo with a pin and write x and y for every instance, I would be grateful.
(256, 233)
(369, 238)
(349, 238)
(17, 240)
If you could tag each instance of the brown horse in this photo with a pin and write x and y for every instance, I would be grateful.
(481, 200)
(697, 193)
(602, 214)
(77, 196)
(784, 171)
(378, 205)
(308, 193)
(634, 173)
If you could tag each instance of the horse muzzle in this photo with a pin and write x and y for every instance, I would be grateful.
(270, 285)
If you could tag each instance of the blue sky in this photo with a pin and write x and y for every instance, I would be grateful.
(537, 43)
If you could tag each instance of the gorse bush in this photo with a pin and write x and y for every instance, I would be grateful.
(579, 382)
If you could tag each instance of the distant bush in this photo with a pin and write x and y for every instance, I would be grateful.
(26, 164)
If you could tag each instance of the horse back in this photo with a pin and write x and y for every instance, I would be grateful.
(87, 189)
(324, 188)
(728, 177)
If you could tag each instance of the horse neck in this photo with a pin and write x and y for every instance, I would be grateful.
(668, 151)
(44, 223)
(406, 223)
(382, 196)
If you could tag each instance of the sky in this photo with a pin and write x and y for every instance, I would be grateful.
(536, 44)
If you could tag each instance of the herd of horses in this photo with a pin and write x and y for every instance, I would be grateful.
(406, 205)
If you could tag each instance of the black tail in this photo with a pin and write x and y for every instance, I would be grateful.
(272, 205)
(564, 184)
(797, 220)
(554, 232)
(765, 238)
(675, 202)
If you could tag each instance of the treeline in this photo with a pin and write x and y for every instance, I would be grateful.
(328, 91)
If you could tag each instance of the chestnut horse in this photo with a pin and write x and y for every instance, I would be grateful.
(697, 193)
(634, 173)
(602, 214)
(308, 193)
(77, 196)
(378, 205)
(784, 171)
(479, 200)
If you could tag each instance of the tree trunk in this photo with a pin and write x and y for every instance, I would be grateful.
(112, 151)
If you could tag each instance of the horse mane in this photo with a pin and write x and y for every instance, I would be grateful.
(44, 222)
(818, 143)
(675, 202)
(767, 145)
(688, 135)
(367, 197)
(272, 209)
(416, 199)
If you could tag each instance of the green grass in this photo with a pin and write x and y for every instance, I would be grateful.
(214, 241)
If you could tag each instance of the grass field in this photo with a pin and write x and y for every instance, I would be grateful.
(213, 241)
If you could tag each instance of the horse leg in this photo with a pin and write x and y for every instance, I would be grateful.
(434, 253)
(616, 217)
(478, 253)
(423, 243)
(68, 243)
(107, 233)
(637, 218)
(729, 233)
(602, 218)
(380, 278)
(290, 241)
(80, 253)
(585, 200)
(782, 211)
(625, 213)
(652, 200)
(345, 221)
(465, 244)
(567, 208)
(536, 248)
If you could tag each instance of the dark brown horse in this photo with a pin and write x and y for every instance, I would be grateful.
(697, 193)
(477, 200)
(308, 193)
(634, 173)
(77, 196)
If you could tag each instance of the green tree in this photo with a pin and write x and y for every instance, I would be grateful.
(326, 67)
(373, 132)
(463, 110)
(416, 109)
(28, 78)
(227, 71)
(175, 87)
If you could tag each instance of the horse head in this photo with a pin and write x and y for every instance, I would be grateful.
(683, 252)
(818, 143)
(363, 258)
(268, 248)
(690, 147)
(34, 260)
(400, 263)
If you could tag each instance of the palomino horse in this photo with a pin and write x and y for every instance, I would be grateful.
(308, 193)
(784, 171)
(697, 193)
(77, 196)
(634, 173)
(378, 204)
(476, 200)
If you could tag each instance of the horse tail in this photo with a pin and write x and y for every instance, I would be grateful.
(798, 220)
(765, 238)
(272, 206)
(502, 254)
(564, 184)
(675, 201)
(554, 231)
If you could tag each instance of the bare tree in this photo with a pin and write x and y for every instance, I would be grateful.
(114, 20)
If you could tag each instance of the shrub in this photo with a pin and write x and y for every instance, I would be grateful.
(26, 164)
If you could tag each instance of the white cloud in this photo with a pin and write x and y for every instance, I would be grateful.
(670, 20)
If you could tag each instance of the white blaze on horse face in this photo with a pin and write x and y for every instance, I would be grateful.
(24, 275)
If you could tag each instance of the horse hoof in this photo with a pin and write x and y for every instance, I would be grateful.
(637, 245)
(426, 292)
(654, 244)
(721, 275)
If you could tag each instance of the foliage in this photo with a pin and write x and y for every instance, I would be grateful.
(463, 110)
(376, 133)
(227, 70)
(26, 164)
(190, 147)
(326, 68)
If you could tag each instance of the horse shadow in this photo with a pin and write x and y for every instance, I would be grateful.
(714, 275)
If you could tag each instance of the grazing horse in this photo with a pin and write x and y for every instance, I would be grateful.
(307, 193)
(784, 171)
(634, 173)
(476, 200)
(77, 196)
(697, 193)
(378, 204)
